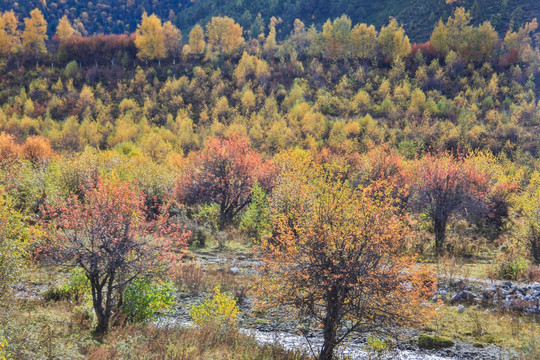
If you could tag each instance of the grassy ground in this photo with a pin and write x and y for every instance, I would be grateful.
(35, 329)
(483, 326)
(57, 330)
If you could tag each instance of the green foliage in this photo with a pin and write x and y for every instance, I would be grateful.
(510, 266)
(529, 226)
(376, 347)
(14, 243)
(208, 216)
(143, 299)
(256, 222)
(76, 288)
(433, 342)
(220, 309)
(72, 69)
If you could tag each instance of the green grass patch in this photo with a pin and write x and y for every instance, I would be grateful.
(434, 342)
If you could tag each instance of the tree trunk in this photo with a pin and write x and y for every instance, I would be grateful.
(102, 307)
(327, 351)
(101, 313)
(103, 323)
(330, 326)
(439, 224)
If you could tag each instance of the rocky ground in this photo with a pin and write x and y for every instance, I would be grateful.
(505, 295)
(278, 327)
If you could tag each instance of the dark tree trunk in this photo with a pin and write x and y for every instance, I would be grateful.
(330, 325)
(101, 313)
(439, 224)
(103, 323)
(102, 306)
(327, 351)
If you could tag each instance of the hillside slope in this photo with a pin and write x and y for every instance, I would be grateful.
(418, 16)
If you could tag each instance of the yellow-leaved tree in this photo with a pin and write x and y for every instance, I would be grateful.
(150, 39)
(10, 36)
(172, 38)
(64, 30)
(35, 34)
(336, 38)
(224, 35)
(364, 41)
(393, 43)
(196, 40)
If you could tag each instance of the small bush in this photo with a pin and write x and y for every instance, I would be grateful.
(255, 222)
(14, 244)
(376, 347)
(72, 69)
(219, 309)
(37, 149)
(9, 149)
(510, 266)
(433, 342)
(144, 299)
(74, 289)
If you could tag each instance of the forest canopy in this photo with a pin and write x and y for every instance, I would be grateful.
(338, 154)
(418, 16)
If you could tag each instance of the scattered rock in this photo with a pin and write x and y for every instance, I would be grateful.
(514, 297)
(461, 308)
(465, 296)
(234, 270)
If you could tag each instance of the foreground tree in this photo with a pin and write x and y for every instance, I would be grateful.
(224, 172)
(336, 257)
(448, 186)
(108, 237)
(336, 38)
(173, 40)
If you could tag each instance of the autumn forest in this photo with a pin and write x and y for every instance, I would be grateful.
(200, 188)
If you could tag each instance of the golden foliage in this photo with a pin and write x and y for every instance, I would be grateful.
(150, 38)
(35, 33)
(9, 33)
(196, 40)
(37, 148)
(224, 35)
(64, 30)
